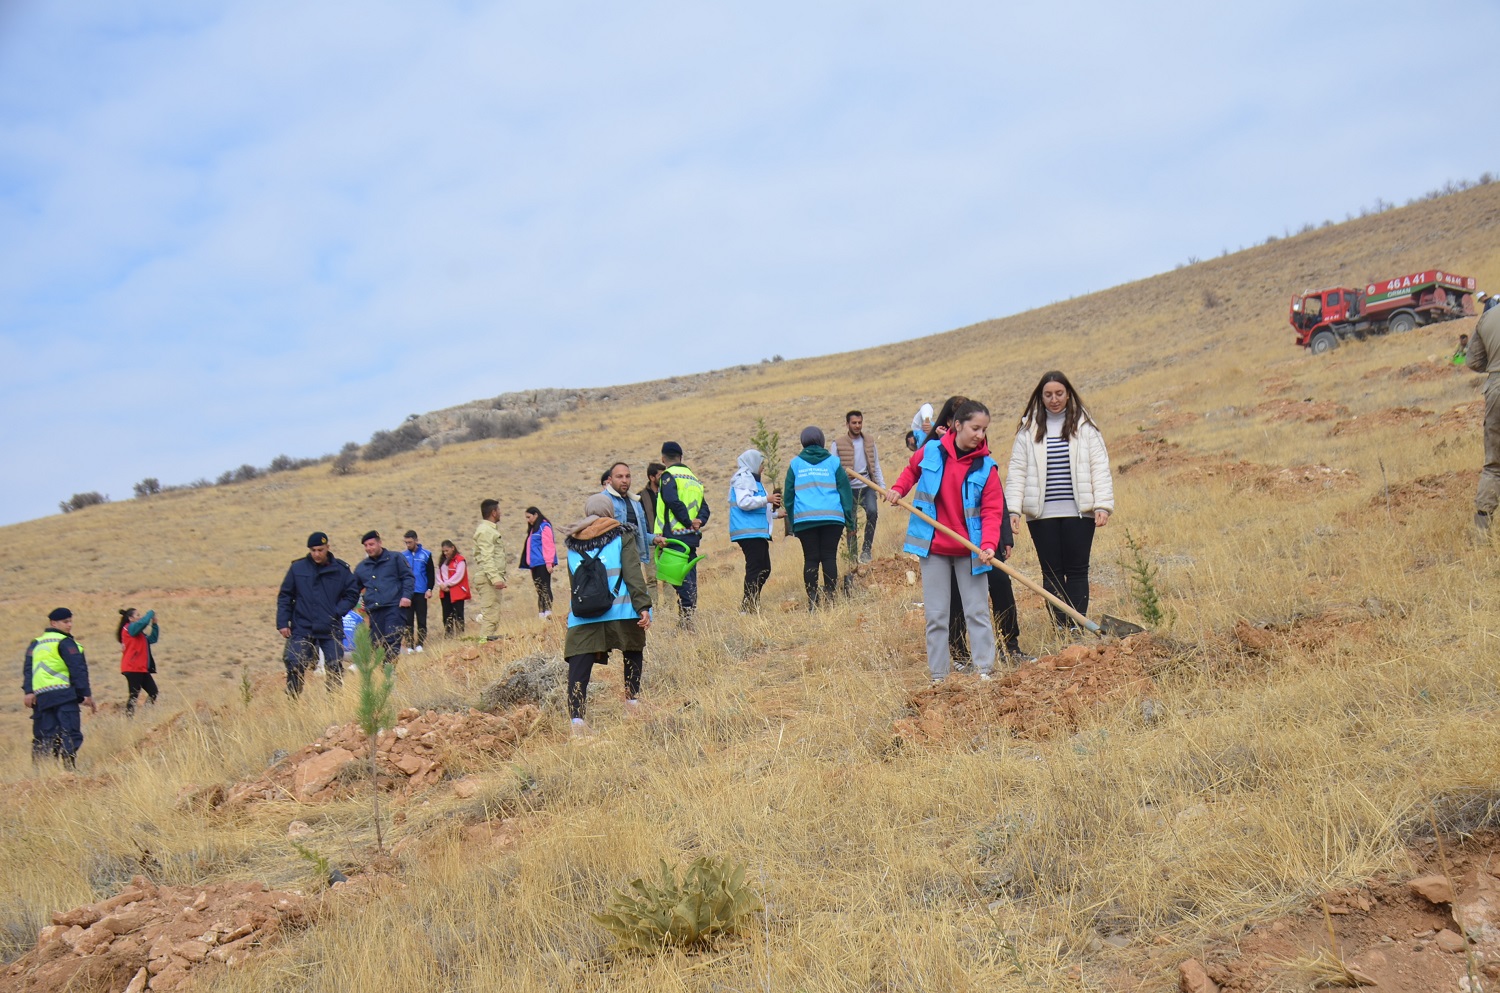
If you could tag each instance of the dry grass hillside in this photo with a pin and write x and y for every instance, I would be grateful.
(1323, 691)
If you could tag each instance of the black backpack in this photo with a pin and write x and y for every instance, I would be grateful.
(591, 593)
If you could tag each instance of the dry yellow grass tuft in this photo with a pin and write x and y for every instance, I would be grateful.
(1330, 675)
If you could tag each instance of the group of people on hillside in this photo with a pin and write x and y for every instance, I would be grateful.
(1058, 481)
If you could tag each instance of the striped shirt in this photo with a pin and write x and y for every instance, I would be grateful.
(1058, 499)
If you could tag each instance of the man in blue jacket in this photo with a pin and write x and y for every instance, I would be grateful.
(54, 681)
(424, 581)
(386, 583)
(316, 593)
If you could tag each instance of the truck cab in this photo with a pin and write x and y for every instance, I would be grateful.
(1316, 310)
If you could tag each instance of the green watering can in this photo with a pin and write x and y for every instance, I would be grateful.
(672, 565)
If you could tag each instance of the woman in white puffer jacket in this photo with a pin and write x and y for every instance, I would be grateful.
(1059, 480)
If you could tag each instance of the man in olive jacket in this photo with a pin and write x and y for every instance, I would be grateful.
(487, 569)
(1484, 357)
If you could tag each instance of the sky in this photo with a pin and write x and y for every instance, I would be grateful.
(234, 230)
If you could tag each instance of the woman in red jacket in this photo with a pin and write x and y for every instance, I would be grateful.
(136, 634)
(453, 588)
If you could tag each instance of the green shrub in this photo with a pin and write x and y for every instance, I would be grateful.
(710, 899)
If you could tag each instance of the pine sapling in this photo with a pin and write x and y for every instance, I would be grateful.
(1142, 576)
(374, 711)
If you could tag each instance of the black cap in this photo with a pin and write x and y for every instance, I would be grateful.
(671, 448)
(369, 535)
(317, 538)
(409, 534)
(60, 614)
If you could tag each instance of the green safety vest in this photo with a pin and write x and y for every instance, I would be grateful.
(689, 491)
(48, 670)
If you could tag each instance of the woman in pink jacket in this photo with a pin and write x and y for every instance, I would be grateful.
(453, 588)
(539, 554)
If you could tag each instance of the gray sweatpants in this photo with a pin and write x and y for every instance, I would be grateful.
(1487, 499)
(938, 573)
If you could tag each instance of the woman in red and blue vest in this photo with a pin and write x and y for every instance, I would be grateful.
(453, 588)
(539, 554)
(954, 479)
(136, 633)
(624, 623)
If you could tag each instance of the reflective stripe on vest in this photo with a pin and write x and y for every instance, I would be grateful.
(689, 491)
(748, 523)
(48, 670)
(924, 497)
(815, 493)
(620, 609)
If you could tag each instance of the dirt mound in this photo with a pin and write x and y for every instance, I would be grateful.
(1037, 700)
(150, 937)
(417, 752)
(900, 572)
(1390, 417)
(1411, 933)
(1309, 411)
(1465, 417)
(1406, 496)
(538, 680)
(1153, 452)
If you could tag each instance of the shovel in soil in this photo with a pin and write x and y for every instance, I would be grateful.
(1109, 627)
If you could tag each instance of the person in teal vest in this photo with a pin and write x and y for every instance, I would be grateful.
(954, 480)
(681, 515)
(820, 504)
(624, 624)
(54, 682)
(751, 512)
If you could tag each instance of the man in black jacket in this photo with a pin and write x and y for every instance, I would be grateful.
(315, 595)
(385, 581)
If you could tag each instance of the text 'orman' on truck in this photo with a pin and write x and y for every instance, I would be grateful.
(1323, 318)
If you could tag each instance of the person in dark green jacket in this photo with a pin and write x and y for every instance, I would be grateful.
(819, 503)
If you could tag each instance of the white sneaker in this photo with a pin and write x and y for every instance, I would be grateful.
(406, 651)
(546, 615)
(579, 728)
(541, 616)
(985, 677)
(419, 649)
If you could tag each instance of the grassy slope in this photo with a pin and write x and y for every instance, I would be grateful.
(1300, 766)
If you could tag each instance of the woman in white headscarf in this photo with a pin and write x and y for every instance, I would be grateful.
(751, 511)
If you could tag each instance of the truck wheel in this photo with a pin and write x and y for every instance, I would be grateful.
(1403, 322)
(1323, 341)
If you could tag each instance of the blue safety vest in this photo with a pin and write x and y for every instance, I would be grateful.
(620, 610)
(815, 496)
(749, 523)
(924, 497)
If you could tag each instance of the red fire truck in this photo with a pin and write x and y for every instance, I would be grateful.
(1323, 318)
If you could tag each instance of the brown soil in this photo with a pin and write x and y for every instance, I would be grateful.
(150, 937)
(1386, 931)
(1466, 417)
(1309, 411)
(416, 753)
(1035, 701)
(1436, 488)
(1391, 417)
(1278, 479)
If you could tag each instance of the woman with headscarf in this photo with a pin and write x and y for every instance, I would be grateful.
(599, 538)
(751, 511)
(820, 505)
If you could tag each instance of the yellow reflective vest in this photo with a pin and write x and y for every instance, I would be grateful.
(48, 670)
(689, 491)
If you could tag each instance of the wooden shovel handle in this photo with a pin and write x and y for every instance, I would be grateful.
(1004, 567)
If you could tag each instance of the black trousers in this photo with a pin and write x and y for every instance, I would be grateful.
(542, 580)
(820, 549)
(302, 654)
(757, 553)
(414, 621)
(1063, 546)
(135, 682)
(581, 667)
(453, 616)
(385, 629)
(57, 732)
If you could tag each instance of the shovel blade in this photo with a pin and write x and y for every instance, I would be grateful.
(1114, 627)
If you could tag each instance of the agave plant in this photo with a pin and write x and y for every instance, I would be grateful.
(710, 899)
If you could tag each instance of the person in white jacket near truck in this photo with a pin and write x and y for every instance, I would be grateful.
(1059, 480)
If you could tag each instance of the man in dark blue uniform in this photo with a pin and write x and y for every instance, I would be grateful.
(386, 583)
(55, 680)
(316, 593)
